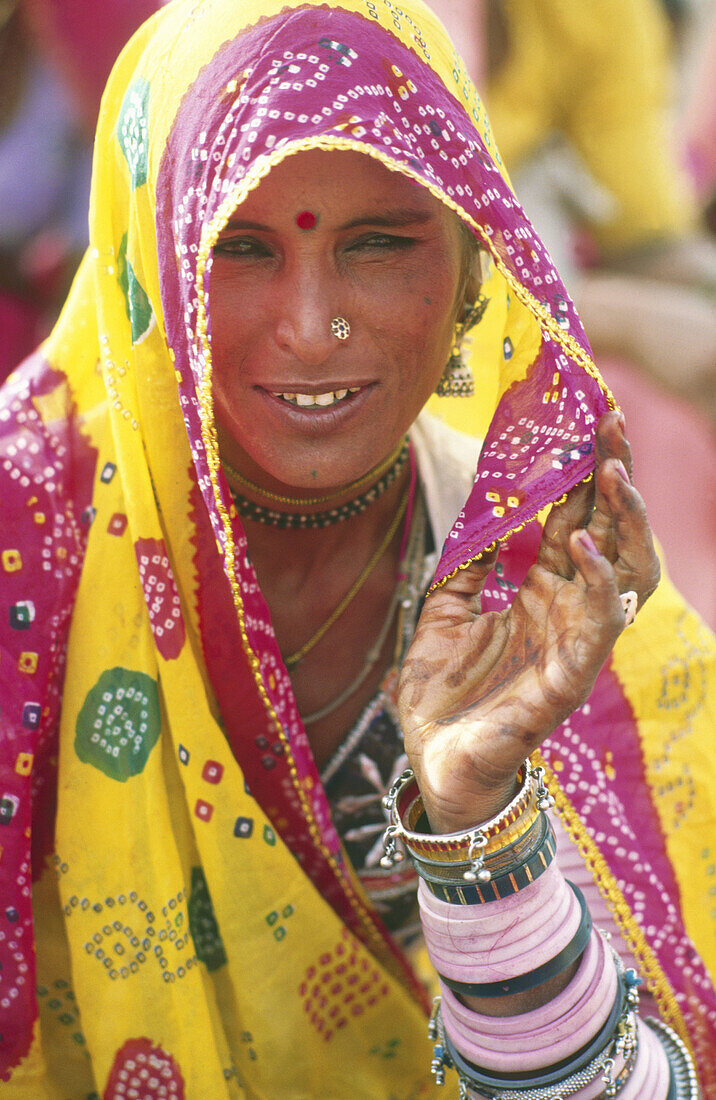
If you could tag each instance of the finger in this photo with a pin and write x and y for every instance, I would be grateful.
(612, 447)
(562, 520)
(463, 591)
(622, 509)
(577, 509)
(601, 525)
(611, 441)
(604, 607)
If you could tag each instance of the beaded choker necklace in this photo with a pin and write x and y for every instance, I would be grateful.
(304, 520)
(297, 502)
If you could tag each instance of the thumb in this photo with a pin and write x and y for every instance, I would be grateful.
(465, 586)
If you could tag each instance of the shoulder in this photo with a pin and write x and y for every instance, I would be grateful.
(46, 473)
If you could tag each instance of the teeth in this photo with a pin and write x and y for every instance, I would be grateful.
(308, 400)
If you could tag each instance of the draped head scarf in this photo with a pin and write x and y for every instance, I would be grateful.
(178, 913)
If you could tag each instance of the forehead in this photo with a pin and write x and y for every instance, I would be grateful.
(341, 183)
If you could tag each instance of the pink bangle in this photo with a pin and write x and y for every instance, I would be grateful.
(651, 1073)
(480, 944)
(543, 1036)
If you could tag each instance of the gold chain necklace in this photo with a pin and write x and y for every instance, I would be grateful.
(405, 596)
(298, 502)
(292, 660)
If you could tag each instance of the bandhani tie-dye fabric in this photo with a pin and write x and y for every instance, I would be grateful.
(177, 915)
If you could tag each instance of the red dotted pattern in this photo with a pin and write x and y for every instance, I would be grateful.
(162, 598)
(341, 986)
(143, 1070)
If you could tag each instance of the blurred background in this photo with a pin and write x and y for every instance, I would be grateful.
(55, 57)
(605, 115)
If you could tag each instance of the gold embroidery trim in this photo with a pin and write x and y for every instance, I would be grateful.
(503, 538)
(210, 233)
(656, 980)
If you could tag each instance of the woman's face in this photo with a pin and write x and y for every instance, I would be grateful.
(295, 405)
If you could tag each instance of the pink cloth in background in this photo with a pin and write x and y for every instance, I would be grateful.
(84, 37)
(700, 121)
(19, 325)
(674, 451)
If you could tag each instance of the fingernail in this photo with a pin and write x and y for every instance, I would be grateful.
(585, 539)
(621, 470)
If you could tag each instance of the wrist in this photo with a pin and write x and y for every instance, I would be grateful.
(460, 784)
(446, 815)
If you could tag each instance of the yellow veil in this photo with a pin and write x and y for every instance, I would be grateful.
(180, 944)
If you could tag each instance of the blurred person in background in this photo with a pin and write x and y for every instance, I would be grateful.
(700, 123)
(54, 61)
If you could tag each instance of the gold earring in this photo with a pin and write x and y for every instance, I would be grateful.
(457, 380)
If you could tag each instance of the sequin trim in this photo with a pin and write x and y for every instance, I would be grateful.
(210, 235)
(656, 981)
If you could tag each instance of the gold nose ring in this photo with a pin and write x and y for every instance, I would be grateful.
(340, 328)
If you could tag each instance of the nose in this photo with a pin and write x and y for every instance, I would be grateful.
(304, 310)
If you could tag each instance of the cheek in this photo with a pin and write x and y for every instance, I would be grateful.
(416, 309)
(431, 330)
(221, 327)
(420, 353)
(230, 334)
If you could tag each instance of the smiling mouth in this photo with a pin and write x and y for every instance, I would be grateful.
(316, 400)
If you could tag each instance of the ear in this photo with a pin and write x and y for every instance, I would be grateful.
(480, 271)
(477, 272)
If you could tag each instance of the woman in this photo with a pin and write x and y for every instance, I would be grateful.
(206, 466)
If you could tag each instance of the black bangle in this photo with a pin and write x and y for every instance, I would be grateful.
(481, 1080)
(540, 974)
(499, 887)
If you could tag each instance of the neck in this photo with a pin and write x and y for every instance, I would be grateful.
(307, 553)
(305, 575)
(284, 511)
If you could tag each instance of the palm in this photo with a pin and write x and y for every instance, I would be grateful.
(478, 693)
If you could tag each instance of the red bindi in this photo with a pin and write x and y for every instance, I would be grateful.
(306, 220)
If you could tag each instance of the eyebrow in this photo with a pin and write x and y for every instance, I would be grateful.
(238, 223)
(394, 218)
(387, 218)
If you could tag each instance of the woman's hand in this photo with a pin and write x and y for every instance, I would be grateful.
(478, 693)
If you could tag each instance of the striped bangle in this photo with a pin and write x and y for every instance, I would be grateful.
(524, 869)
(616, 1038)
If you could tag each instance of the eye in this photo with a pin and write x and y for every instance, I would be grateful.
(381, 242)
(241, 247)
